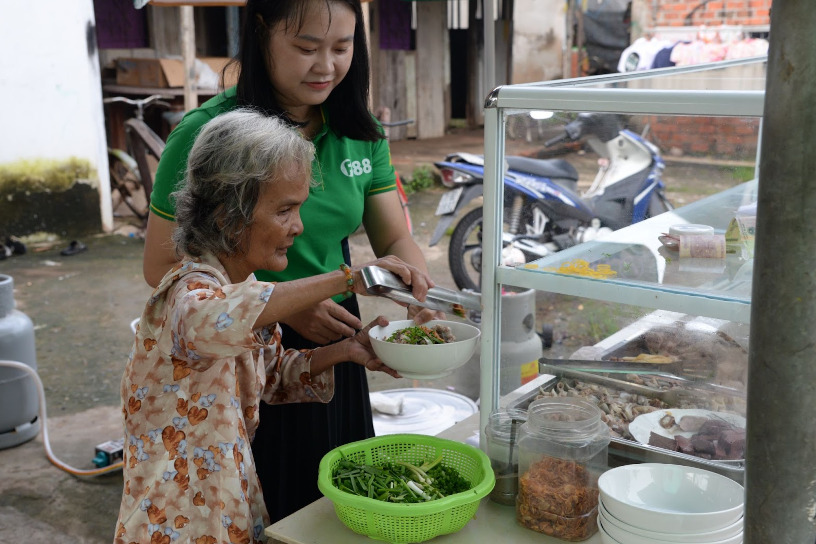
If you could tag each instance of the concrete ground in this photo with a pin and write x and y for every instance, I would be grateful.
(82, 306)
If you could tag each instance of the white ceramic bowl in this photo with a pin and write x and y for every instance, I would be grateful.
(632, 535)
(668, 498)
(425, 362)
(606, 538)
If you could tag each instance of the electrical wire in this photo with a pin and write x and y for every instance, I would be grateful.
(47, 445)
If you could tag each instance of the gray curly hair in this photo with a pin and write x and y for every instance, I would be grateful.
(233, 155)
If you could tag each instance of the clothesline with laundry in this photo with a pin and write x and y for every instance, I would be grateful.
(707, 45)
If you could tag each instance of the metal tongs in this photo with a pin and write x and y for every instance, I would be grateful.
(384, 283)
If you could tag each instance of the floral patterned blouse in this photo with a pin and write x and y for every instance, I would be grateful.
(190, 398)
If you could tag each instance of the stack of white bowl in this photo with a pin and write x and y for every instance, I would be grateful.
(655, 503)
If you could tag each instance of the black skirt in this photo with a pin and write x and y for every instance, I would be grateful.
(292, 438)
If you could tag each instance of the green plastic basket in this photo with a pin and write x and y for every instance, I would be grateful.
(415, 522)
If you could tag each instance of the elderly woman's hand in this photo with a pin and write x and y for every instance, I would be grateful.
(324, 323)
(418, 280)
(359, 349)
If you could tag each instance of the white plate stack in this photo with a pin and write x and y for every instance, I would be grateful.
(656, 503)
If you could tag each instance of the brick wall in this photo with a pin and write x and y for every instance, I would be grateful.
(715, 137)
(716, 12)
(726, 138)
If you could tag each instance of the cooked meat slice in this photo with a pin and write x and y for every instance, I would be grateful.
(445, 333)
(701, 445)
(684, 444)
(661, 441)
(732, 442)
(712, 428)
(691, 424)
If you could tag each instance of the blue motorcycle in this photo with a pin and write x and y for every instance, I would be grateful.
(543, 210)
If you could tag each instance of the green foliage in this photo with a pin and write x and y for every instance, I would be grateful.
(742, 173)
(43, 175)
(604, 320)
(422, 178)
(601, 325)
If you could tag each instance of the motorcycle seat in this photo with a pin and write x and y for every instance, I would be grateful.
(547, 168)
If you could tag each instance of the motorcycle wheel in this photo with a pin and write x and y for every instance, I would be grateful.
(465, 251)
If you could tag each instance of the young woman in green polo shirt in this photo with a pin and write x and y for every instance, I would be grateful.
(306, 61)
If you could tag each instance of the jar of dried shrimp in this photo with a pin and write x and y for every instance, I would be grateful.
(562, 451)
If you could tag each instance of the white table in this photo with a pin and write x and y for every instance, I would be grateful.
(318, 524)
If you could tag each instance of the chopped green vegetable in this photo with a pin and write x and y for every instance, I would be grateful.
(447, 479)
(399, 481)
(417, 334)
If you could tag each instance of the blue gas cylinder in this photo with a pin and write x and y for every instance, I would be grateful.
(19, 399)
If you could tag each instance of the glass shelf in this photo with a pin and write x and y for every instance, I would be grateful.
(738, 75)
(726, 88)
(650, 275)
(723, 103)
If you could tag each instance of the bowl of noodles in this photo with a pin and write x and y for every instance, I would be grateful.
(424, 352)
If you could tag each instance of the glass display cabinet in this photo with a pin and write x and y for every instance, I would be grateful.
(678, 317)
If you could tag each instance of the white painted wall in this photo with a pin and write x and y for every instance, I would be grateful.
(51, 88)
(539, 34)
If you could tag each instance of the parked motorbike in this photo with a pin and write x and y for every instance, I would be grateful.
(543, 211)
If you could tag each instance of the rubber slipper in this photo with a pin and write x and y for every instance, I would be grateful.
(74, 248)
(17, 247)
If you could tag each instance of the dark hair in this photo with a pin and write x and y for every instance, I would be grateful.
(347, 105)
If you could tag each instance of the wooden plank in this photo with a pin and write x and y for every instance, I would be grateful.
(188, 53)
(164, 31)
(376, 66)
(389, 83)
(410, 93)
(475, 85)
(432, 48)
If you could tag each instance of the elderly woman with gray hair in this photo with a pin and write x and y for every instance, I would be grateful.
(208, 348)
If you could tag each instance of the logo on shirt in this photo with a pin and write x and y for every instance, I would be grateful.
(352, 168)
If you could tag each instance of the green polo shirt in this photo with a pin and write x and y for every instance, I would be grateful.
(347, 171)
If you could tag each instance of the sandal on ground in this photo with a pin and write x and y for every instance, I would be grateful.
(73, 248)
(16, 245)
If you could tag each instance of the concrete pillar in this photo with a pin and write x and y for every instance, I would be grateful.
(781, 446)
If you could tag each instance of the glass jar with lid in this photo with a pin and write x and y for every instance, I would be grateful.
(562, 451)
(501, 436)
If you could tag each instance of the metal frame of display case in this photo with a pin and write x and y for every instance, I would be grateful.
(591, 94)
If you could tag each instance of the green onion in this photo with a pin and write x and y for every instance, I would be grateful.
(399, 481)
